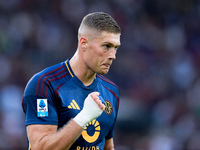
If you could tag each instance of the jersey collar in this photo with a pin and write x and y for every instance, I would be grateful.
(69, 68)
(77, 81)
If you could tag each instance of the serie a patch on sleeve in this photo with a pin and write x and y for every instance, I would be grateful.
(42, 108)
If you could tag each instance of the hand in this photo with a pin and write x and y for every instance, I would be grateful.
(93, 108)
(97, 99)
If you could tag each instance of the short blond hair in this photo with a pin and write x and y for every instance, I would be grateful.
(100, 22)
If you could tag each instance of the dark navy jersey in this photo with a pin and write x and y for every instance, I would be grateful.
(55, 96)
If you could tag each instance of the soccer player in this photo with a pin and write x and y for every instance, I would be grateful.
(71, 105)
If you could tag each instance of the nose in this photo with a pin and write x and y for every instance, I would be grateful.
(112, 54)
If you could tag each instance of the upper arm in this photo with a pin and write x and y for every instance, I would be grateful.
(109, 144)
(37, 132)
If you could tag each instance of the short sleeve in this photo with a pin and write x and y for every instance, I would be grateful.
(34, 109)
(111, 132)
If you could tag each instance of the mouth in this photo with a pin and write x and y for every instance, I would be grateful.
(105, 68)
(107, 65)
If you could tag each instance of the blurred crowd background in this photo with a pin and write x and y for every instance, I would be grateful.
(157, 66)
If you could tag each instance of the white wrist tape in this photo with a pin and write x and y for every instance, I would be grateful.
(89, 112)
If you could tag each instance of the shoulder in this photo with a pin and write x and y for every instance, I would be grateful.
(106, 80)
(108, 83)
(48, 74)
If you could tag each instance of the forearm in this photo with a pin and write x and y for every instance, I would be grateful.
(45, 137)
(109, 144)
(59, 140)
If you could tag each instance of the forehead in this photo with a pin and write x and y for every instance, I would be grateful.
(107, 37)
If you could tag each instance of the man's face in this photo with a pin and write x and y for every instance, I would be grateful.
(101, 51)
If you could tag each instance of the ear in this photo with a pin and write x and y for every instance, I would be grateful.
(83, 41)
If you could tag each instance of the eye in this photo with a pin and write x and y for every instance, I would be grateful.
(107, 46)
(110, 46)
(116, 47)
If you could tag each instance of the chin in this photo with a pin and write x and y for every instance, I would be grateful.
(103, 72)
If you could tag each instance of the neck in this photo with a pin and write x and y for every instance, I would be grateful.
(83, 73)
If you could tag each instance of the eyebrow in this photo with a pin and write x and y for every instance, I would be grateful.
(111, 44)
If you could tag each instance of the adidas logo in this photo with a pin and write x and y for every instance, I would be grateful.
(74, 105)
